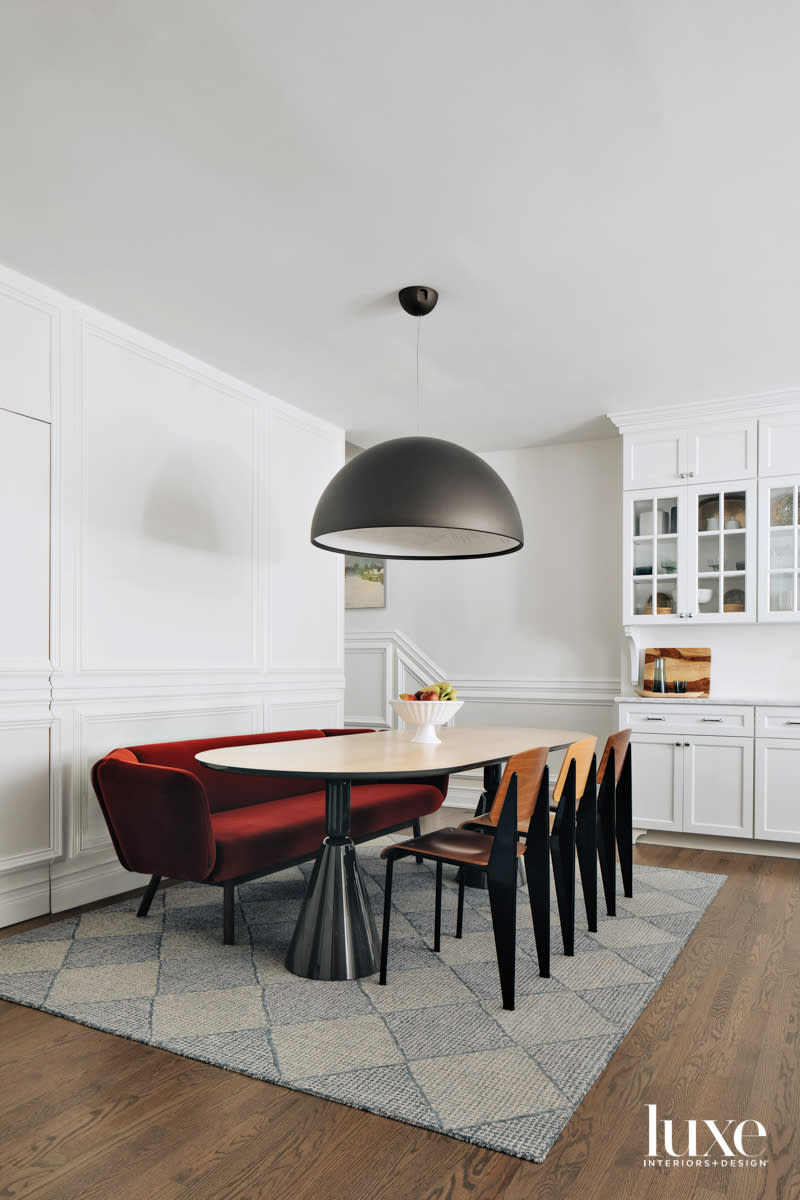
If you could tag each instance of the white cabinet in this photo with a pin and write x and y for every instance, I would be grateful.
(690, 553)
(779, 541)
(778, 444)
(703, 453)
(692, 768)
(777, 797)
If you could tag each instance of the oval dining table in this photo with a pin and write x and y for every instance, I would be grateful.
(336, 936)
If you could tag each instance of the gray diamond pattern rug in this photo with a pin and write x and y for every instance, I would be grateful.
(434, 1047)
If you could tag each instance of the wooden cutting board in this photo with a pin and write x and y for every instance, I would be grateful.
(692, 664)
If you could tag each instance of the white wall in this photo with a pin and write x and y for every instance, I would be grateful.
(533, 638)
(175, 592)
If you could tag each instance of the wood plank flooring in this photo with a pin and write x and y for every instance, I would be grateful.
(88, 1116)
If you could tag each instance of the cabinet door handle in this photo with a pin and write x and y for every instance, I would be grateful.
(654, 718)
(791, 722)
(681, 475)
(717, 720)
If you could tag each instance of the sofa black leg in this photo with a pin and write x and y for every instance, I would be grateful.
(417, 831)
(228, 898)
(149, 893)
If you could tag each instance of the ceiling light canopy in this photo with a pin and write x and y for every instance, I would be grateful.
(417, 497)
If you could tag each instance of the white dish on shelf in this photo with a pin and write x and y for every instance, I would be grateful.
(704, 595)
(426, 714)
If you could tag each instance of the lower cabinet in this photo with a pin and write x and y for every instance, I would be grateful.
(777, 805)
(698, 785)
(688, 780)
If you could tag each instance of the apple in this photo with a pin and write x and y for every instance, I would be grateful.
(430, 694)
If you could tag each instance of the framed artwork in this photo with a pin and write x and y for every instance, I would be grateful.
(364, 582)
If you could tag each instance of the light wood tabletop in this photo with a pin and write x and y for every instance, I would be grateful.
(387, 754)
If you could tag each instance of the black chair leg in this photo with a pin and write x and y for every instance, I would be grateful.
(562, 852)
(623, 812)
(503, 901)
(387, 912)
(149, 893)
(586, 845)
(416, 829)
(537, 869)
(437, 921)
(228, 899)
(606, 837)
(460, 916)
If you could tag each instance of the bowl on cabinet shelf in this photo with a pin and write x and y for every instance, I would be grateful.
(704, 595)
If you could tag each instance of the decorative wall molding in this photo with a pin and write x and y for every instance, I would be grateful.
(400, 663)
(545, 691)
(402, 667)
(670, 416)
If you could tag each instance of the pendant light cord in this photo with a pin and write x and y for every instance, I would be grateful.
(419, 326)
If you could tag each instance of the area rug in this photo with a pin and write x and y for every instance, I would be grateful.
(433, 1048)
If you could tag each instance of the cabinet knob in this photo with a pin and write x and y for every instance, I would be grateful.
(687, 743)
(691, 476)
(678, 743)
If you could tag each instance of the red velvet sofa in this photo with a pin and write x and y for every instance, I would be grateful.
(170, 816)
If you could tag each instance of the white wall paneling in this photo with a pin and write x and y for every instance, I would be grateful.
(179, 596)
(170, 571)
(306, 590)
(29, 349)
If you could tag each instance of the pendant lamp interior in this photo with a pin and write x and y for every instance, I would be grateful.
(417, 497)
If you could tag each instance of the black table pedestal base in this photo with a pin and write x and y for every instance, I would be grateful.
(336, 936)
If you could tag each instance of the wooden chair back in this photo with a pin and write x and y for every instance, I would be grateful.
(581, 753)
(618, 742)
(529, 768)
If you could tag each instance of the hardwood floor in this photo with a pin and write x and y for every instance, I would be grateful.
(88, 1116)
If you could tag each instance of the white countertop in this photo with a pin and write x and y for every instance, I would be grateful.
(714, 698)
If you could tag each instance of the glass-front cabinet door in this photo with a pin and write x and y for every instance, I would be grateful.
(779, 577)
(690, 554)
(652, 540)
(722, 544)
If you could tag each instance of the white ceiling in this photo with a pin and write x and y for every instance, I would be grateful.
(605, 193)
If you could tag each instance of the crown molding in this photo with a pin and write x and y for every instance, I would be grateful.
(760, 404)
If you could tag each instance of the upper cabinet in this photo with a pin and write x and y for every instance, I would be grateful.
(779, 445)
(698, 454)
(779, 539)
(690, 554)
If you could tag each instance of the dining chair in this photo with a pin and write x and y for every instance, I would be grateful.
(495, 854)
(615, 816)
(573, 828)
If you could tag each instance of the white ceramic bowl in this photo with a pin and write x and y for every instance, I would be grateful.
(704, 595)
(426, 714)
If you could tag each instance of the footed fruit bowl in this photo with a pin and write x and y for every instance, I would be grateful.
(426, 715)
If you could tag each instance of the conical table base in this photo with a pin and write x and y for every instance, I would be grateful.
(336, 936)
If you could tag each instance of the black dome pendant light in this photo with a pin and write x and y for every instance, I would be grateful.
(417, 497)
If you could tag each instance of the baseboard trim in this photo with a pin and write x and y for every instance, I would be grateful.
(99, 881)
(24, 897)
(723, 845)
